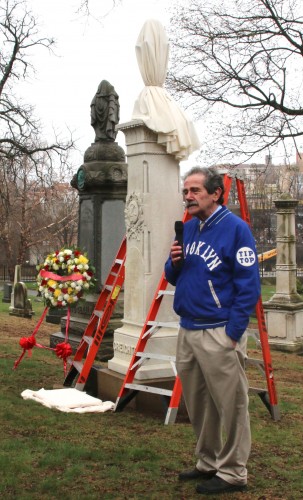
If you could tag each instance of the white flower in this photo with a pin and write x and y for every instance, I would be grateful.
(73, 284)
(76, 260)
(68, 252)
(75, 298)
(78, 288)
(85, 266)
(63, 303)
(85, 285)
(66, 296)
(80, 266)
(55, 267)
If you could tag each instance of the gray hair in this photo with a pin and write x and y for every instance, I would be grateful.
(212, 180)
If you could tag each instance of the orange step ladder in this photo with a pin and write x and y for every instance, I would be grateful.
(129, 389)
(268, 397)
(96, 327)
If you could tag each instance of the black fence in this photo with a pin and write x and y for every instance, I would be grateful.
(28, 273)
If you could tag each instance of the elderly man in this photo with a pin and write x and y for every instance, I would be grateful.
(217, 286)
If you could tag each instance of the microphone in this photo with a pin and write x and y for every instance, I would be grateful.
(179, 238)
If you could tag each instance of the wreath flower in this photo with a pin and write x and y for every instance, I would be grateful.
(64, 277)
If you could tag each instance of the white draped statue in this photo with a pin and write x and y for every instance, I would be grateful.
(154, 106)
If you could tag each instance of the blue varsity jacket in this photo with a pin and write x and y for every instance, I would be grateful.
(218, 283)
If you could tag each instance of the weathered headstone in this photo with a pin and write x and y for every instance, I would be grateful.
(7, 292)
(22, 304)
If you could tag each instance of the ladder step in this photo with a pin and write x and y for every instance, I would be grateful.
(118, 261)
(165, 292)
(78, 365)
(254, 362)
(152, 355)
(99, 314)
(88, 340)
(148, 388)
(167, 324)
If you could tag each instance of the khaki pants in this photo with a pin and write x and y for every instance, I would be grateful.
(215, 391)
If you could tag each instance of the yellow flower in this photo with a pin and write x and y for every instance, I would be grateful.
(57, 292)
(70, 290)
(83, 260)
(52, 283)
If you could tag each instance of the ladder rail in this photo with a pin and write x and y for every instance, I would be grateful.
(98, 322)
(273, 400)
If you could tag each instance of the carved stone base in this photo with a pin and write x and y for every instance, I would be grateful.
(125, 341)
(106, 384)
(285, 326)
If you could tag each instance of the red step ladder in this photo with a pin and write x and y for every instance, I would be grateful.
(130, 389)
(97, 325)
(268, 397)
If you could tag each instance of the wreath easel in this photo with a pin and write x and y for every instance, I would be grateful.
(62, 280)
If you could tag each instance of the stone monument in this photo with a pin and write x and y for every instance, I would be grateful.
(152, 206)
(284, 311)
(21, 305)
(101, 183)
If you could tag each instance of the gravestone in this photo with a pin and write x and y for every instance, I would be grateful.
(22, 304)
(7, 292)
(101, 182)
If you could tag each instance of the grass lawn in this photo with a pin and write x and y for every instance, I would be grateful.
(47, 454)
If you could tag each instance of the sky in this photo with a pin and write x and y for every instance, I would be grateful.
(87, 51)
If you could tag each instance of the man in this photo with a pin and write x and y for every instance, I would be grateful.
(217, 287)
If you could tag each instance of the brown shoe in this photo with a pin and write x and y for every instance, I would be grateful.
(216, 486)
(195, 473)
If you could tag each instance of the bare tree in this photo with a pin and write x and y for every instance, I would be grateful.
(19, 128)
(241, 61)
(86, 9)
(37, 213)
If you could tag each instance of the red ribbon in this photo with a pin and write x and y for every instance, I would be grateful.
(27, 343)
(56, 277)
(62, 350)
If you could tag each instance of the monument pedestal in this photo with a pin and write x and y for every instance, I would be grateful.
(284, 311)
(153, 204)
(285, 324)
(106, 384)
(125, 340)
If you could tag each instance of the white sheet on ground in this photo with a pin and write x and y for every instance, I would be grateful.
(68, 400)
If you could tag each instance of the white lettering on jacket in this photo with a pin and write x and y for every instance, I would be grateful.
(208, 253)
(246, 256)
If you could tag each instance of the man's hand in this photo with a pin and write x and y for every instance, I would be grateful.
(234, 342)
(176, 252)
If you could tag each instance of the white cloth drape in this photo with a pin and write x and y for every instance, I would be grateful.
(154, 106)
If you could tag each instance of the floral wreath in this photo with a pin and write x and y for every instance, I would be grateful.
(64, 276)
(62, 280)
